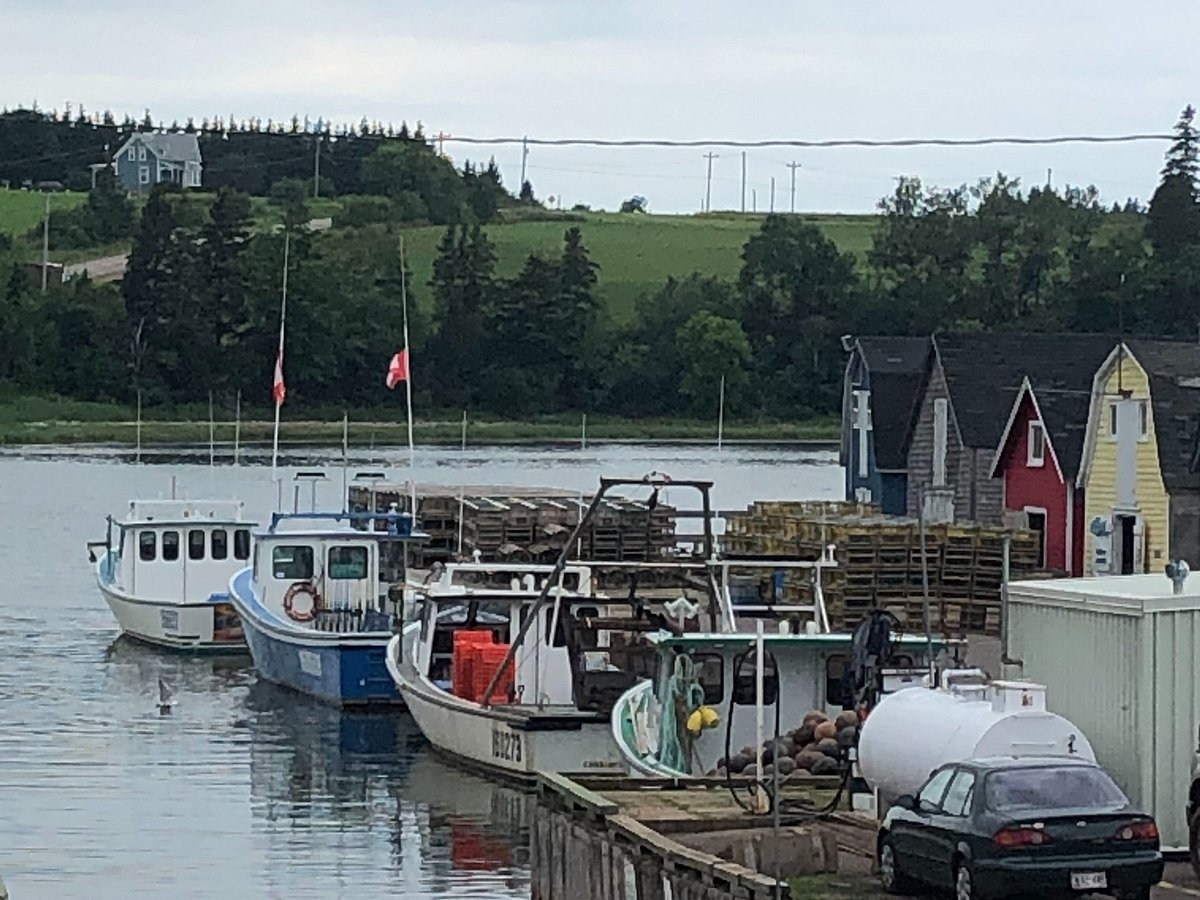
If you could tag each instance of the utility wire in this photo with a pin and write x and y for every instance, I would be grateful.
(841, 142)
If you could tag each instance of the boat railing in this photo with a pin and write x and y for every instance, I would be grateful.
(396, 524)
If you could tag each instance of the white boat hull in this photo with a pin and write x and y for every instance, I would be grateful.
(210, 626)
(498, 739)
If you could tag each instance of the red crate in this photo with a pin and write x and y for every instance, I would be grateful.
(487, 658)
(463, 666)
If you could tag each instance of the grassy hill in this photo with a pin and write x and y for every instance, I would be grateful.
(21, 210)
(636, 253)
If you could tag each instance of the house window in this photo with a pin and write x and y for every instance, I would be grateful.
(196, 544)
(220, 543)
(1143, 420)
(1037, 444)
(132, 154)
(141, 152)
(143, 175)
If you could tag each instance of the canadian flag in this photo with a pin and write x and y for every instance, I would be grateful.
(279, 389)
(397, 369)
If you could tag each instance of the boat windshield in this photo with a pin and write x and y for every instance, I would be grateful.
(1052, 787)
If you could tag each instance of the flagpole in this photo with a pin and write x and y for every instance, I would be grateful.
(412, 476)
(721, 415)
(287, 237)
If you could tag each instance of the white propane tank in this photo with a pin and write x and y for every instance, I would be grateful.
(914, 731)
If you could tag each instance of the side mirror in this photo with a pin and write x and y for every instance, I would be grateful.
(906, 801)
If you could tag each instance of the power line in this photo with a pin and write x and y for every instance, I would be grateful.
(812, 144)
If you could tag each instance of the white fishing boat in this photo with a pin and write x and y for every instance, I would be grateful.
(552, 654)
(164, 571)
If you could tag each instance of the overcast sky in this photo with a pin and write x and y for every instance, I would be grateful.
(652, 69)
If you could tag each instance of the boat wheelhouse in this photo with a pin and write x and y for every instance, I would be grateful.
(164, 571)
(800, 674)
(321, 599)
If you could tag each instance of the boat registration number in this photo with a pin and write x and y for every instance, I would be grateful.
(506, 745)
(1088, 881)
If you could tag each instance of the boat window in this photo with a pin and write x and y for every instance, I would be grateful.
(241, 543)
(196, 544)
(147, 546)
(292, 562)
(744, 687)
(170, 545)
(220, 543)
(348, 563)
(835, 668)
(710, 672)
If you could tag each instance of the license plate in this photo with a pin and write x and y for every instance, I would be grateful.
(1088, 881)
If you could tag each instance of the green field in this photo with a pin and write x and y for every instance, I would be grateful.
(21, 210)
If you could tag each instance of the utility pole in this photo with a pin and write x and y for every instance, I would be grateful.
(743, 181)
(316, 166)
(1049, 179)
(754, 200)
(772, 193)
(710, 156)
(46, 244)
(524, 157)
(793, 165)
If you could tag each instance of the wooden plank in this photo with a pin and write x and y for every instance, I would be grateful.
(574, 795)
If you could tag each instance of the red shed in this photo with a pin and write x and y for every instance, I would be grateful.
(1038, 458)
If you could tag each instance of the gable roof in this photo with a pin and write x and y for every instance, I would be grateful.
(1063, 413)
(984, 373)
(1174, 371)
(175, 147)
(896, 366)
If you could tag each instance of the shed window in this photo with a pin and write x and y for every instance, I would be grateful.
(147, 546)
(348, 563)
(241, 543)
(170, 544)
(1037, 444)
(1112, 420)
(292, 562)
(744, 689)
(220, 543)
(196, 544)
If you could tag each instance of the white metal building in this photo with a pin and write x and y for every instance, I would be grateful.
(1119, 656)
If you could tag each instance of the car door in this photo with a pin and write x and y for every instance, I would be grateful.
(947, 826)
(912, 835)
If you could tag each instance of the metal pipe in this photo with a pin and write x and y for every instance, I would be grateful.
(758, 702)
(1005, 572)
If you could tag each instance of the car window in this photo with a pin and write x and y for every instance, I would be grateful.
(1052, 787)
(930, 797)
(958, 796)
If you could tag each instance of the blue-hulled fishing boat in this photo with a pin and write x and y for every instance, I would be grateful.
(322, 598)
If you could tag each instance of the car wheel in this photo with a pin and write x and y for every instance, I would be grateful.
(964, 883)
(893, 880)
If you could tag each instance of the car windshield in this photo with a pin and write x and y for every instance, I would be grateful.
(1052, 787)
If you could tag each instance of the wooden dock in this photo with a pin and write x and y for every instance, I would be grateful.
(617, 838)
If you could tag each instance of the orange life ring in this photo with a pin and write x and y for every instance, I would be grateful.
(302, 587)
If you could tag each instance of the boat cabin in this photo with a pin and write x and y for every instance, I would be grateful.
(183, 551)
(329, 578)
(801, 673)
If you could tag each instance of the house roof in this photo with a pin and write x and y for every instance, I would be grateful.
(174, 147)
(1174, 371)
(896, 365)
(1064, 416)
(984, 373)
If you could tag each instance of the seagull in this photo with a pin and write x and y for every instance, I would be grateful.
(165, 694)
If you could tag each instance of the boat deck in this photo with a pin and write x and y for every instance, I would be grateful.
(551, 717)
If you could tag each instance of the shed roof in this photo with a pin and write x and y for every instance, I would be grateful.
(1174, 371)
(985, 371)
(1106, 589)
(896, 365)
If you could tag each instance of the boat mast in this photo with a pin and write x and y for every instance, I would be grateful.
(287, 238)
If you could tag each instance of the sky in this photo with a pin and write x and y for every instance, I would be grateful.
(660, 69)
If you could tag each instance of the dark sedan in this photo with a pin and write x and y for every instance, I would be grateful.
(996, 828)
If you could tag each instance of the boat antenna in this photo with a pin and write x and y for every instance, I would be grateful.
(237, 429)
(278, 387)
(412, 475)
(138, 456)
(462, 500)
(721, 415)
(346, 461)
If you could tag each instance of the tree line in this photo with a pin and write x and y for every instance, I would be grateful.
(198, 309)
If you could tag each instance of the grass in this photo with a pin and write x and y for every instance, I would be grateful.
(52, 420)
(22, 210)
(836, 887)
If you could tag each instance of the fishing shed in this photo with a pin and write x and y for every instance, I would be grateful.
(1119, 656)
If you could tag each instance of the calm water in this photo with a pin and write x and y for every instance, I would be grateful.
(247, 791)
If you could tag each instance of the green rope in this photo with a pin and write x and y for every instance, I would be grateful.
(684, 695)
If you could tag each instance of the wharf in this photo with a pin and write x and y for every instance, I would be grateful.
(619, 838)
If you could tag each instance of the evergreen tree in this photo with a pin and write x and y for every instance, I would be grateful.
(1173, 221)
(526, 195)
